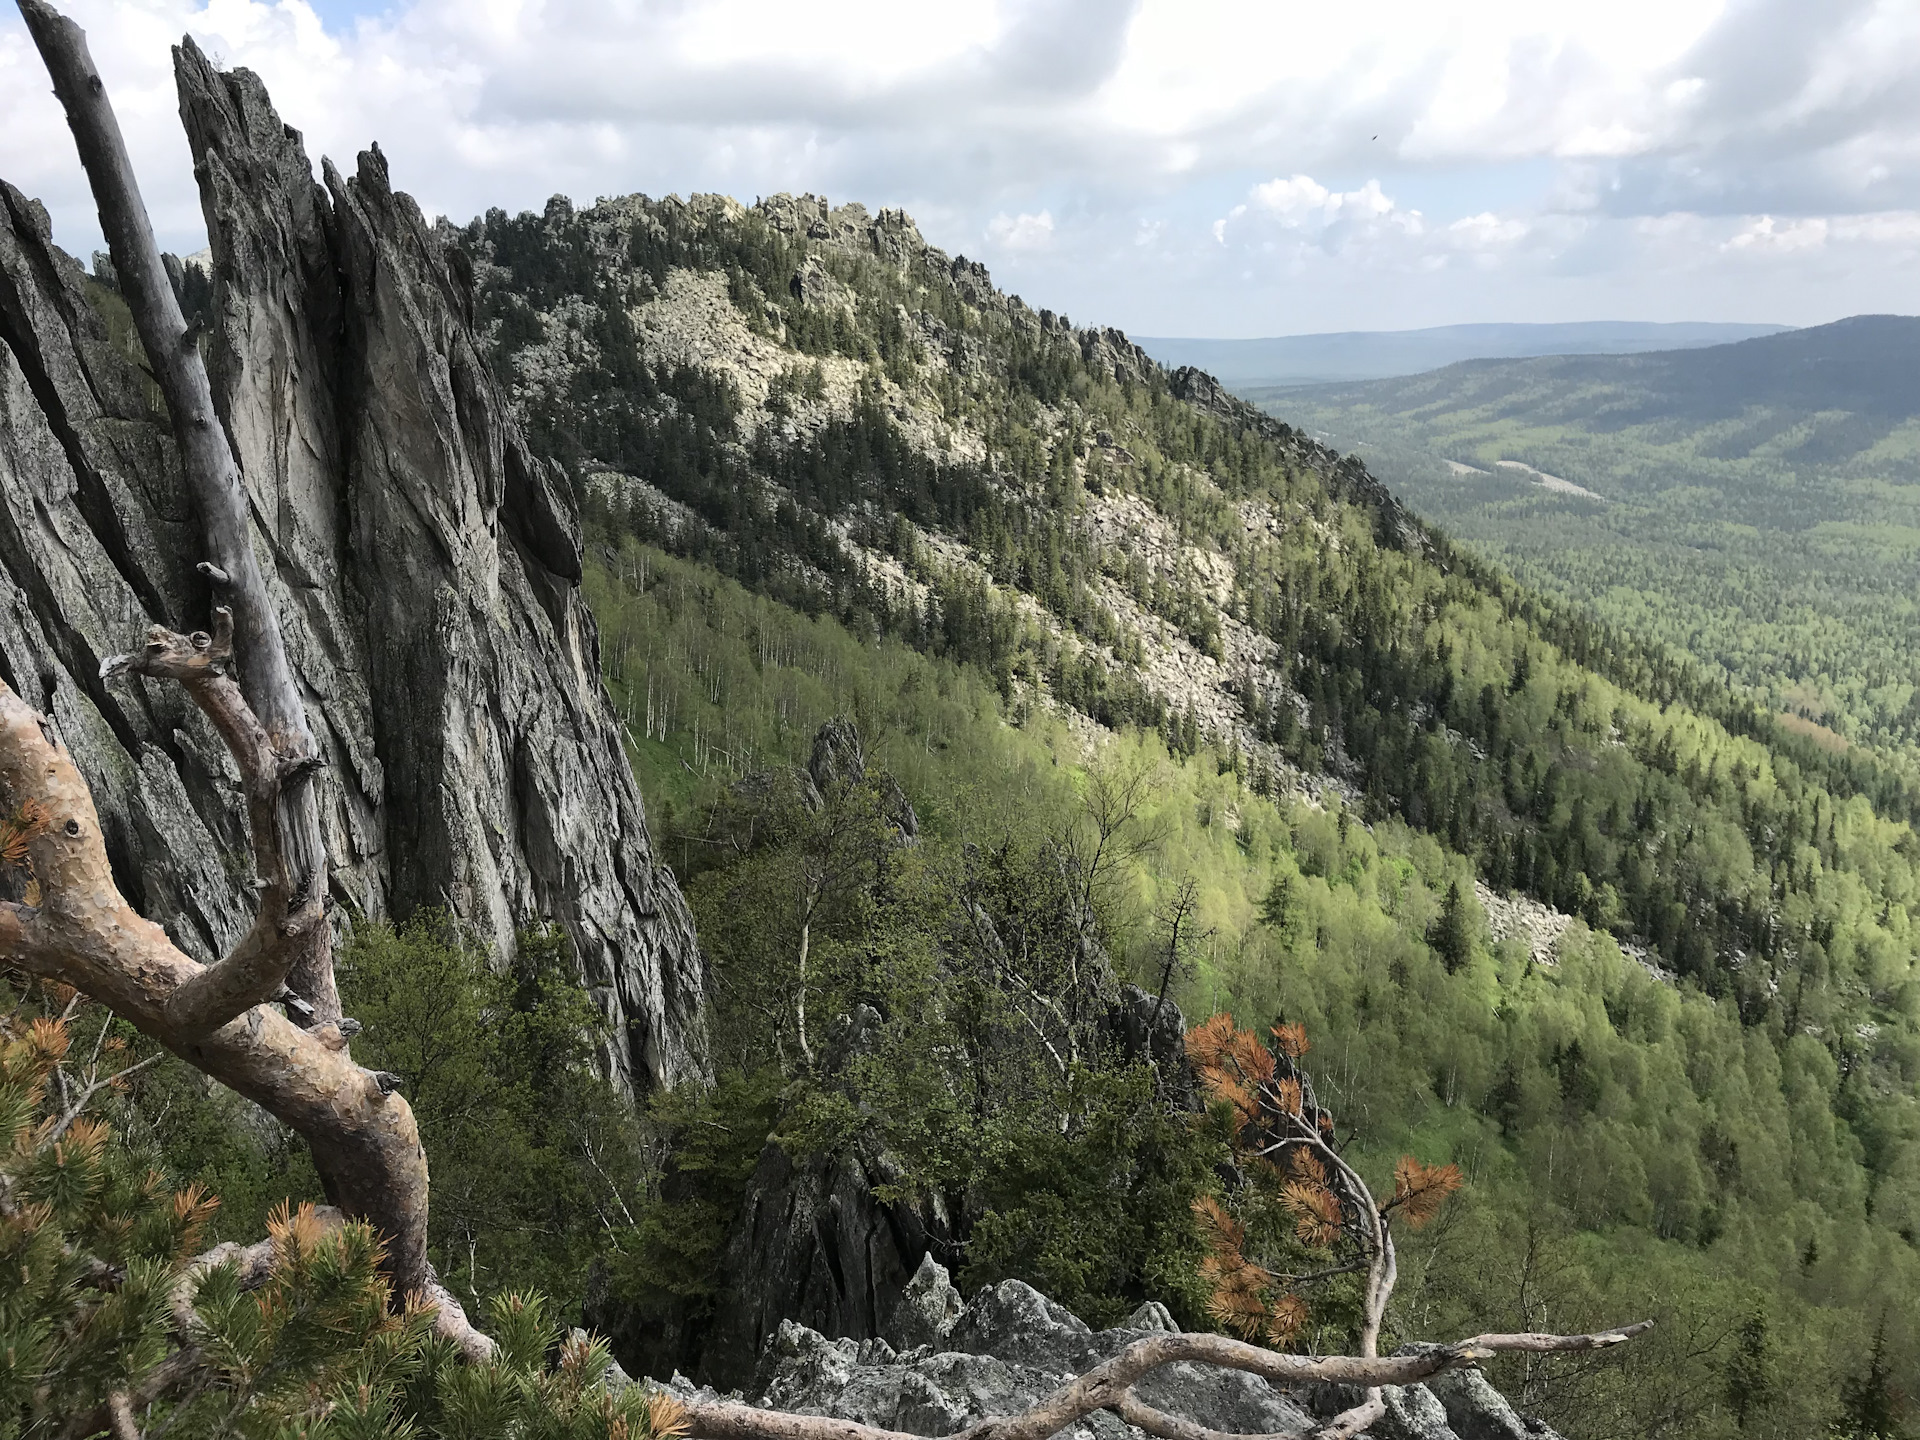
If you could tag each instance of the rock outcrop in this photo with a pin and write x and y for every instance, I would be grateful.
(426, 566)
(941, 1365)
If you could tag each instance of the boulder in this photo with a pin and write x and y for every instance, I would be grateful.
(1012, 1346)
(928, 1309)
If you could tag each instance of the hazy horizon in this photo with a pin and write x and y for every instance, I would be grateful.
(1482, 325)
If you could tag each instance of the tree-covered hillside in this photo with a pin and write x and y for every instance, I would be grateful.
(1021, 554)
(1632, 1146)
(1751, 505)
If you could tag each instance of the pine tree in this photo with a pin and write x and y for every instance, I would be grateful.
(1872, 1406)
(112, 1321)
(1753, 1370)
(1284, 909)
(1452, 934)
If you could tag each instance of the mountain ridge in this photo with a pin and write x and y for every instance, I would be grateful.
(826, 468)
(1351, 355)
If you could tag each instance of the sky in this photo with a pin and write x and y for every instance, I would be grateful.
(1229, 168)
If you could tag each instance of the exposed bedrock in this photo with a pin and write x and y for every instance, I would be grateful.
(939, 1365)
(425, 562)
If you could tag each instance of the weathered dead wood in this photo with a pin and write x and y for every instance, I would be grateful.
(207, 463)
(1108, 1386)
(84, 934)
(290, 924)
(1351, 1422)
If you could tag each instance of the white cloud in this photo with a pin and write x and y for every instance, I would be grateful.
(1302, 200)
(1764, 234)
(1891, 231)
(1487, 231)
(1304, 211)
(1021, 232)
(1551, 145)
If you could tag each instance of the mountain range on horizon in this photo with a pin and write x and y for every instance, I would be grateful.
(1351, 355)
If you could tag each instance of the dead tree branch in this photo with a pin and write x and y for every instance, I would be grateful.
(83, 933)
(211, 472)
(290, 925)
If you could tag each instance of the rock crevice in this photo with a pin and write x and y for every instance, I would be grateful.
(425, 564)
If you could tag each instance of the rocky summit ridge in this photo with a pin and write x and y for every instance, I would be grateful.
(780, 338)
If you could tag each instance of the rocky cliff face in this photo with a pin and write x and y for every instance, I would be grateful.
(943, 1364)
(426, 567)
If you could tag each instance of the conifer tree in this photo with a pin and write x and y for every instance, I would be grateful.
(1452, 936)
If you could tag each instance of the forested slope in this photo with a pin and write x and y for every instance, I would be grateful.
(1751, 505)
(1022, 556)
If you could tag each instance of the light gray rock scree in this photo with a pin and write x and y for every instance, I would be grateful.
(941, 1365)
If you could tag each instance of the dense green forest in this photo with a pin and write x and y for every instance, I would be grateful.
(1631, 1144)
(1756, 510)
(976, 669)
(1704, 1107)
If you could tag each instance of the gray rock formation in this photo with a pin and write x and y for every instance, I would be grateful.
(814, 1240)
(425, 563)
(940, 1365)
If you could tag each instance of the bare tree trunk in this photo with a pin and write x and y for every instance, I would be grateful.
(80, 930)
(212, 476)
(800, 993)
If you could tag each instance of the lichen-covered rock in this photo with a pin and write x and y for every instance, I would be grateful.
(1477, 1411)
(927, 1312)
(1012, 1346)
(814, 1242)
(425, 565)
(1009, 1349)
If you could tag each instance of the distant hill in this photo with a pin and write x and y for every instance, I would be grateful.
(1379, 354)
(1757, 504)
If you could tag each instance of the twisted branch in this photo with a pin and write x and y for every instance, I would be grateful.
(84, 934)
(289, 929)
